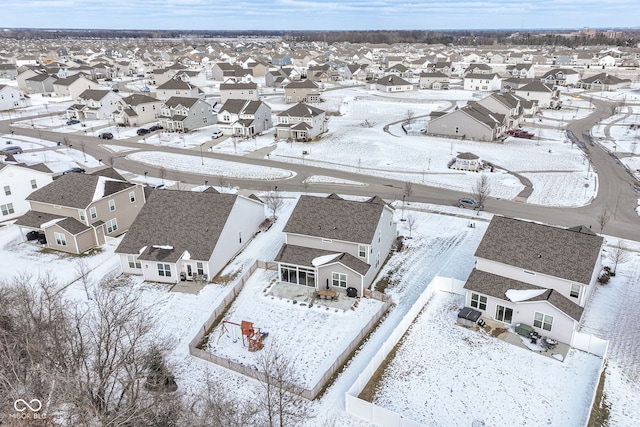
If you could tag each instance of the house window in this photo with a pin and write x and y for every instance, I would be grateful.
(478, 301)
(164, 270)
(7, 209)
(93, 213)
(112, 225)
(81, 214)
(7, 190)
(575, 290)
(339, 280)
(239, 236)
(133, 262)
(61, 239)
(362, 251)
(200, 267)
(132, 196)
(112, 205)
(504, 314)
(457, 129)
(379, 234)
(326, 240)
(34, 184)
(529, 272)
(543, 321)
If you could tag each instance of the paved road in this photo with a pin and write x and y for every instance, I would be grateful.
(616, 192)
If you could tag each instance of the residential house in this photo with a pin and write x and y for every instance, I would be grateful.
(482, 82)
(434, 80)
(137, 109)
(39, 83)
(243, 118)
(11, 98)
(17, 181)
(181, 114)
(168, 243)
(604, 81)
(94, 104)
(248, 91)
(535, 274)
(522, 71)
(399, 70)
(356, 72)
(561, 77)
(8, 71)
(177, 88)
(507, 105)
(545, 95)
(77, 211)
(73, 86)
(478, 69)
(392, 84)
(472, 121)
(302, 91)
(301, 122)
(332, 243)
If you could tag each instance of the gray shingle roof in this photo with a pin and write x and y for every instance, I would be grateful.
(558, 252)
(75, 190)
(94, 94)
(186, 220)
(302, 110)
(303, 256)
(138, 99)
(338, 219)
(35, 219)
(496, 286)
(72, 225)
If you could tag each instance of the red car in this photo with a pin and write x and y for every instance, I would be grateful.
(520, 133)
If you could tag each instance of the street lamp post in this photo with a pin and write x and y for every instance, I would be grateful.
(201, 155)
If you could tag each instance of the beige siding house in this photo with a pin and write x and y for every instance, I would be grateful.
(302, 91)
(76, 211)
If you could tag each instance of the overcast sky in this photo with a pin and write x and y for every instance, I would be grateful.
(318, 14)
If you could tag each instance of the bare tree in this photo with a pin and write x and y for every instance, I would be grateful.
(274, 202)
(411, 222)
(281, 397)
(481, 191)
(408, 189)
(603, 219)
(618, 254)
(178, 177)
(83, 270)
(221, 182)
(162, 172)
(410, 114)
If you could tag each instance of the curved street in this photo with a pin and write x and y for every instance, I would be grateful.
(617, 192)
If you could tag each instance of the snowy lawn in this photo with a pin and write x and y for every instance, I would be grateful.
(312, 336)
(444, 374)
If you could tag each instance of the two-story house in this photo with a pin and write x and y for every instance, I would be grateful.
(482, 82)
(507, 104)
(545, 95)
(180, 114)
(472, 121)
(244, 118)
(94, 104)
(73, 85)
(16, 183)
(77, 211)
(248, 91)
(11, 98)
(333, 243)
(522, 71)
(168, 243)
(301, 122)
(561, 77)
(302, 91)
(137, 109)
(535, 274)
(179, 88)
(434, 80)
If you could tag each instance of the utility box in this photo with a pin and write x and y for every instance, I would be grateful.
(524, 329)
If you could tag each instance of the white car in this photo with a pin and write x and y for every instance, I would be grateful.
(217, 134)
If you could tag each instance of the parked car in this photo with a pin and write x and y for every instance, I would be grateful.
(155, 128)
(142, 131)
(33, 235)
(106, 135)
(74, 170)
(115, 89)
(520, 133)
(108, 79)
(11, 149)
(217, 134)
(73, 122)
(469, 203)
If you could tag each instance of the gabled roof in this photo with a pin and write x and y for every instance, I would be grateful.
(164, 222)
(483, 115)
(241, 106)
(302, 110)
(70, 80)
(335, 218)
(238, 86)
(77, 190)
(392, 80)
(94, 94)
(176, 101)
(496, 286)
(536, 86)
(176, 84)
(138, 99)
(302, 84)
(554, 251)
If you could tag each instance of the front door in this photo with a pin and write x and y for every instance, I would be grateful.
(504, 314)
(189, 271)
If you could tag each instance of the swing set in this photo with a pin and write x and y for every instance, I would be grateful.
(251, 337)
